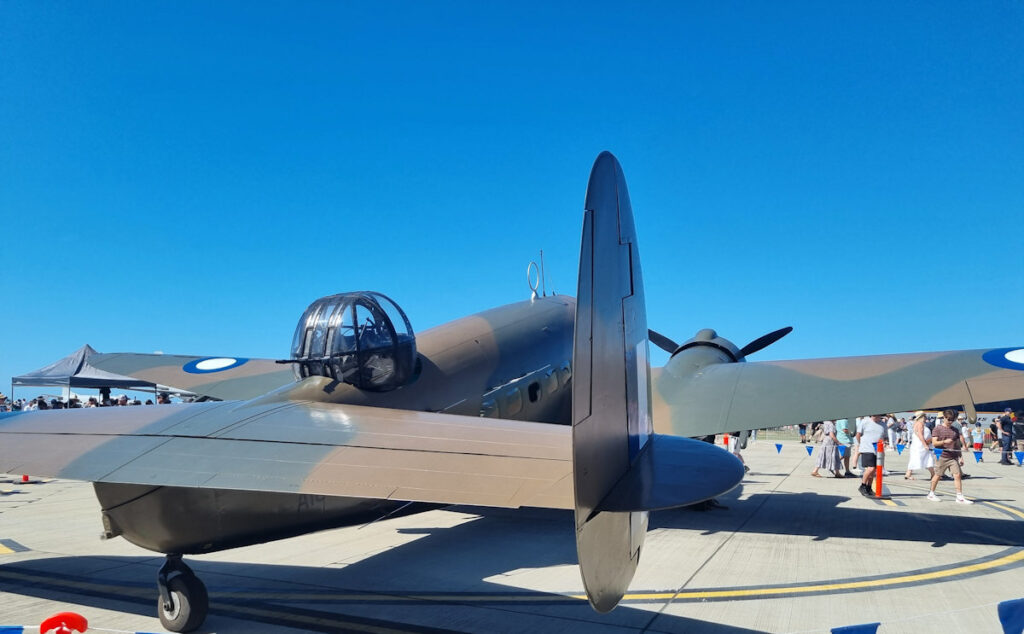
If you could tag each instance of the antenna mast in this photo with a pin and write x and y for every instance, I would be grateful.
(543, 277)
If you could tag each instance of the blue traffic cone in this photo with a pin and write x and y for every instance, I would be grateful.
(1011, 614)
(867, 628)
(778, 447)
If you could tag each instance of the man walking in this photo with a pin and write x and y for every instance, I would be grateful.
(1006, 424)
(869, 431)
(949, 440)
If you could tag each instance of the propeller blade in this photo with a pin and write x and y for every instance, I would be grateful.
(662, 341)
(764, 341)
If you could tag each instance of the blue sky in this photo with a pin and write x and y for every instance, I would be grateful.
(187, 177)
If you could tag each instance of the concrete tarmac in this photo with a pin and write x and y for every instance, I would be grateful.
(792, 553)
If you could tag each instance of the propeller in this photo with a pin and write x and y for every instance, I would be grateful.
(662, 341)
(762, 342)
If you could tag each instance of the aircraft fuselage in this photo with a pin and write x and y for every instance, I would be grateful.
(511, 362)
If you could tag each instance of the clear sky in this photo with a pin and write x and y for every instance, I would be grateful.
(188, 176)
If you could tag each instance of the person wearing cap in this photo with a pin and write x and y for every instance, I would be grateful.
(1006, 427)
(948, 439)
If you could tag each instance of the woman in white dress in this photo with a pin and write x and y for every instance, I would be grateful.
(921, 455)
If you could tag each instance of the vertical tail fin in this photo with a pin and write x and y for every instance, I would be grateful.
(611, 385)
(620, 469)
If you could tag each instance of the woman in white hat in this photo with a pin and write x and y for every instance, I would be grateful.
(921, 456)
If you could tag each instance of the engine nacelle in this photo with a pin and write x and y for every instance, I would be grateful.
(361, 338)
(704, 349)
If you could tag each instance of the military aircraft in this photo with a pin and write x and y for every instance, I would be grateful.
(549, 402)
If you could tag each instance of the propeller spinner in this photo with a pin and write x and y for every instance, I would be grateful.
(762, 342)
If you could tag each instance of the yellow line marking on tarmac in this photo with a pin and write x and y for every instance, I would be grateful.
(826, 587)
(1008, 509)
(640, 596)
(653, 596)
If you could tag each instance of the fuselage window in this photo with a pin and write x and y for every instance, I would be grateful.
(512, 403)
(533, 392)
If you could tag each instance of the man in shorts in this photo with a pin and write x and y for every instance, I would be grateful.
(870, 430)
(948, 439)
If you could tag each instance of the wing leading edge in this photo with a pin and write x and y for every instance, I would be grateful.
(733, 396)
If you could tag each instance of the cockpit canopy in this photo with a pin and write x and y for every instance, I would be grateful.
(361, 338)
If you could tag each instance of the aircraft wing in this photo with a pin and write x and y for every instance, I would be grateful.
(221, 378)
(734, 396)
(295, 446)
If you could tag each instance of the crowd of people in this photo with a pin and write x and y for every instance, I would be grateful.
(103, 400)
(937, 443)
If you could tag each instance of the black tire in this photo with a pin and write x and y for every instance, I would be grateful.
(189, 604)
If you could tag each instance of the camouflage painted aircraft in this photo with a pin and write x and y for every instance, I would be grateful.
(549, 403)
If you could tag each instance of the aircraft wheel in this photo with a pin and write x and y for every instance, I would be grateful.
(189, 603)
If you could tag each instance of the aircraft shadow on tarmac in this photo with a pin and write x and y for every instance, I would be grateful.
(820, 516)
(452, 564)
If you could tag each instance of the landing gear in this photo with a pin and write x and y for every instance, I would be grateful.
(183, 601)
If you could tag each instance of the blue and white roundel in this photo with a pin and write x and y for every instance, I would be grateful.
(1009, 358)
(212, 364)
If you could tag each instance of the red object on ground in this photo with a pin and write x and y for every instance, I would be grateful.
(879, 468)
(24, 478)
(64, 623)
